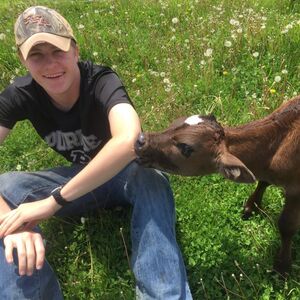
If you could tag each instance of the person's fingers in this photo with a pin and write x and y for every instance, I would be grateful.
(30, 225)
(11, 222)
(21, 250)
(9, 250)
(30, 257)
(40, 251)
(14, 222)
(14, 226)
(4, 221)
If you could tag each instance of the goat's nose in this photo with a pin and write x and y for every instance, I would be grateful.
(141, 139)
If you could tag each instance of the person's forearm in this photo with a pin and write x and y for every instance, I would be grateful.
(4, 208)
(114, 156)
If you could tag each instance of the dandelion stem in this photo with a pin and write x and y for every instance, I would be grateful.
(251, 282)
(223, 285)
(125, 247)
(264, 213)
(203, 287)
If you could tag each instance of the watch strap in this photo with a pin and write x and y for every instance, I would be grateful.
(58, 197)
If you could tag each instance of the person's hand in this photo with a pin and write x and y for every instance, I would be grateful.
(30, 249)
(27, 212)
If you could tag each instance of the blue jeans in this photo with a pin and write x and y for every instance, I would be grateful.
(156, 259)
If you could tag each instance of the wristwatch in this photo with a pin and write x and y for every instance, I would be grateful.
(58, 197)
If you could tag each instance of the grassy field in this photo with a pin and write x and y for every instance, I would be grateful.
(236, 59)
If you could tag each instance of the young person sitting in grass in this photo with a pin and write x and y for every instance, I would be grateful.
(84, 113)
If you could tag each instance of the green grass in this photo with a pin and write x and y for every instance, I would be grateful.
(168, 72)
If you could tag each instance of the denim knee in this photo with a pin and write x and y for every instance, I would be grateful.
(16, 187)
(8, 186)
(146, 181)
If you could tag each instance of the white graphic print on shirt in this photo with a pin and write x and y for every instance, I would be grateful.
(66, 141)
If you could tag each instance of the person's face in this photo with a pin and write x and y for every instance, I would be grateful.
(55, 70)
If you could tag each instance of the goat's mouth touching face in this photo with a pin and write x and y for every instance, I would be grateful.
(188, 147)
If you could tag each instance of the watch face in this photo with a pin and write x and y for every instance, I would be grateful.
(57, 189)
(58, 197)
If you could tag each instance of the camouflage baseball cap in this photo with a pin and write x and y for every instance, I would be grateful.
(39, 24)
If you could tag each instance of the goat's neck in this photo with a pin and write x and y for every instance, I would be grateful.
(255, 140)
(256, 143)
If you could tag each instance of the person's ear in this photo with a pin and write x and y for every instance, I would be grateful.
(22, 60)
(76, 49)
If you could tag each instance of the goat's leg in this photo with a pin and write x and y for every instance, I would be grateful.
(288, 225)
(254, 201)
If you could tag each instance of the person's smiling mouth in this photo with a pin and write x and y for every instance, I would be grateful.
(54, 75)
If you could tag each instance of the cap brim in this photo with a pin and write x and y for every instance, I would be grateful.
(60, 42)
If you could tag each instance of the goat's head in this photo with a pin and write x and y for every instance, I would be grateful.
(191, 146)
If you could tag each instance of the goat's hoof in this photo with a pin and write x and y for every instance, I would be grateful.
(247, 213)
(282, 269)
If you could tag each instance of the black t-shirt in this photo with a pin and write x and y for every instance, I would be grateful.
(77, 134)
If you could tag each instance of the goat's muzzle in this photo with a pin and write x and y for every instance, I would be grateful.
(140, 142)
(138, 146)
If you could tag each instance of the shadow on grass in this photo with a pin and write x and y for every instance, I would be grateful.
(90, 255)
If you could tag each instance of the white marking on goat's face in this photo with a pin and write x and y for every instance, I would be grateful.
(193, 120)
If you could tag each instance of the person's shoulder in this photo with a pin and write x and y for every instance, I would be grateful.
(94, 71)
(17, 86)
(22, 81)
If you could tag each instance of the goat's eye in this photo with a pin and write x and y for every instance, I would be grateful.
(185, 149)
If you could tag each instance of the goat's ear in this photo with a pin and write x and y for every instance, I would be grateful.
(233, 169)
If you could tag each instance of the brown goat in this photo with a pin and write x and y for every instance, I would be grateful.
(267, 150)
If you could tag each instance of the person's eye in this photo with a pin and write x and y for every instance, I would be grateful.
(58, 52)
(34, 54)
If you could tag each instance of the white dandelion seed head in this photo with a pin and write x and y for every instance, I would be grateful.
(277, 78)
(234, 22)
(175, 20)
(228, 44)
(208, 52)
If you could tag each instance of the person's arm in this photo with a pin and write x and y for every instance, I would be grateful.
(111, 159)
(114, 156)
(29, 244)
(4, 132)
(4, 208)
